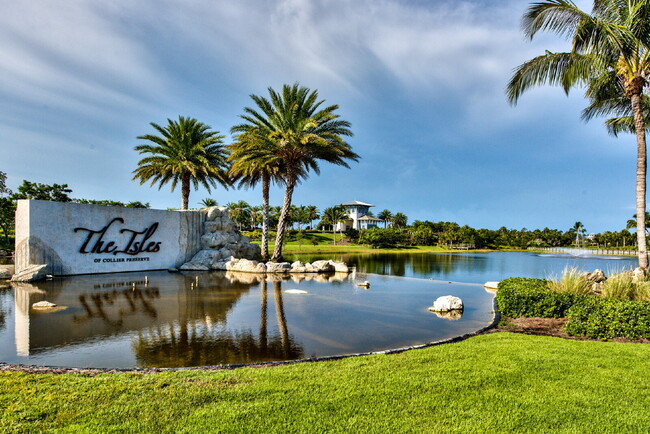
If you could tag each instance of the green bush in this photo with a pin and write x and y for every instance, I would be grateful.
(602, 318)
(520, 297)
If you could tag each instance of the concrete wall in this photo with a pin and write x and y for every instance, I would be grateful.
(77, 238)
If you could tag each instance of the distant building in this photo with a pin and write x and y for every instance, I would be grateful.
(358, 217)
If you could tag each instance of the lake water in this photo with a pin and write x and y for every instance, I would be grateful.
(158, 319)
(475, 267)
(174, 320)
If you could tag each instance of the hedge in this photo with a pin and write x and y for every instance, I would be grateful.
(606, 318)
(521, 297)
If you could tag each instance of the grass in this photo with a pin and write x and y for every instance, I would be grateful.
(572, 280)
(500, 382)
(624, 286)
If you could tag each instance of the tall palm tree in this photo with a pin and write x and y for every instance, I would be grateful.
(610, 55)
(303, 133)
(386, 216)
(253, 162)
(186, 151)
(333, 216)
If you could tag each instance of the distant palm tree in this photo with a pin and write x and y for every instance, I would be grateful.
(312, 214)
(303, 134)
(333, 216)
(254, 161)
(386, 216)
(186, 151)
(400, 220)
(208, 202)
(610, 57)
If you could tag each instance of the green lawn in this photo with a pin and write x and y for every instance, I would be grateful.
(500, 382)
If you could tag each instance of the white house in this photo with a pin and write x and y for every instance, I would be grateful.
(358, 217)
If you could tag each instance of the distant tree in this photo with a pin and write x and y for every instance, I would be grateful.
(36, 191)
(3, 184)
(400, 220)
(208, 202)
(312, 214)
(7, 214)
(240, 212)
(186, 151)
(386, 216)
(333, 216)
(136, 204)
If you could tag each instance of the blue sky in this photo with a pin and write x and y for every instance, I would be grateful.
(422, 83)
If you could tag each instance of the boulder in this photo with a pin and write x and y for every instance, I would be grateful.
(447, 303)
(206, 257)
(5, 274)
(31, 273)
(278, 267)
(322, 266)
(211, 226)
(339, 266)
(246, 266)
(596, 277)
(214, 212)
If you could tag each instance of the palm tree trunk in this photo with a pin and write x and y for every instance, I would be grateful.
(265, 217)
(641, 168)
(185, 190)
(282, 223)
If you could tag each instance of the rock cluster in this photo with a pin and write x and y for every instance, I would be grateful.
(252, 266)
(220, 241)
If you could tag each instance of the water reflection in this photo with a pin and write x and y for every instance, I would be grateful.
(473, 267)
(160, 319)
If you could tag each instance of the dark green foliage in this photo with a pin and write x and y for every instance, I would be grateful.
(603, 318)
(7, 213)
(381, 238)
(136, 204)
(34, 190)
(520, 297)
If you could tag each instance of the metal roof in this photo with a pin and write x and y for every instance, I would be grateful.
(356, 202)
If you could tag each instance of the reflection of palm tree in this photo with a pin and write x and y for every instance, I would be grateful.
(282, 321)
(263, 332)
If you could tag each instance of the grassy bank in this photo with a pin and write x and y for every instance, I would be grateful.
(500, 382)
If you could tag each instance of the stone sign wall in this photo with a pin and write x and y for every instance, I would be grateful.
(74, 238)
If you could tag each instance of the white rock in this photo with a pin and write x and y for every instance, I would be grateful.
(447, 303)
(339, 266)
(43, 305)
(322, 266)
(295, 291)
(31, 273)
(278, 267)
(491, 285)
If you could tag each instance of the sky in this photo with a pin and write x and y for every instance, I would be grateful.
(422, 83)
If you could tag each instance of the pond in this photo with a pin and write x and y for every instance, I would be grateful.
(159, 319)
(474, 267)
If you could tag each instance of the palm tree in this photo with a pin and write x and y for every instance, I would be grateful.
(632, 223)
(186, 151)
(312, 214)
(254, 161)
(333, 216)
(610, 54)
(386, 216)
(400, 220)
(302, 133)
(208, 202)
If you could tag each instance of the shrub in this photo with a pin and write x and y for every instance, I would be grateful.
(520, 297)
(572, 280)
(603, 318)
